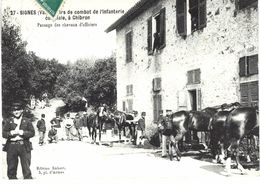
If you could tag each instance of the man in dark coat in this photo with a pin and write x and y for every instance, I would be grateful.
(56, 123)
(78, 126)
(18, 130)
(52, 134)
(140, 128)
(42, 129)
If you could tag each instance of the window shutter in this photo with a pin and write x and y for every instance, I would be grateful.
(190, 77)
(242, 67)
(181, 16)
(157, 84)
(199, 99)
(129, 47)
(149, 35)
(253, 64)
(244, 94)
(157, 105)
(124, 106)
(254, 91)
(202, 14)
(197, 76)
(130, 105)
(162, 28)
(245, 3)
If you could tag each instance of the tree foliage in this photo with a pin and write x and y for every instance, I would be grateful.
(97, 83)
(23, 74)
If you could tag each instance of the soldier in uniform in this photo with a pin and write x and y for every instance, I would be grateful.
(52, 134)
(160, 120)
(78, 126)
(18, 130)
(166, 131)
(68, 127)
(42, 129)
(140, 128)
(56, 122)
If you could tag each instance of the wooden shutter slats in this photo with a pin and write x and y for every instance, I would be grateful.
(181, 17)
(242, 66)
(149, 35)
(253, 64)
(202, 14)
(162, 28)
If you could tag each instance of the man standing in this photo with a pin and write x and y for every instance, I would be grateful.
(42, 129)
(78, 126)
(84, 123)
(18, 130)
(68, 126)
(160, 121)
(166, 132)
(140, 129)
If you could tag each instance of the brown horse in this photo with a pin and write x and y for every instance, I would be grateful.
(240, 123)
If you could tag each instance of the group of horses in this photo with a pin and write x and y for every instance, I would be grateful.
(227, 125)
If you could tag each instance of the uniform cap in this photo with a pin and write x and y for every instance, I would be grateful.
(17, 106)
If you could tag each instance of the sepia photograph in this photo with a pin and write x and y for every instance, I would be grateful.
(129, 91)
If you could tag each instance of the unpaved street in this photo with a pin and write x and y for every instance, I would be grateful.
(75, 160)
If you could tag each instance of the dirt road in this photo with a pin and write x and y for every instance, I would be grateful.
(77, 161)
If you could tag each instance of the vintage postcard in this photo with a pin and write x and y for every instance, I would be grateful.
(130, 91)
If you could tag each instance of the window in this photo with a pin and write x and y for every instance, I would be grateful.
(129, 90)
(156, 32)
(128, 41)
(193, 76)
(242, 4)
(248, 65)
(192, 20)
(156, 84)
(249, 93)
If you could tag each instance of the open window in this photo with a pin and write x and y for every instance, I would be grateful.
(156, 32)
(190, 15)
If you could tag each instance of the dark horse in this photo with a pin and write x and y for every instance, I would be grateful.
(240, 123)
(121, 122)
(217, 130)
(184, 121)
(92, 125)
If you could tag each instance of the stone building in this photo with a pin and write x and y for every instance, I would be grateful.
(186, 54)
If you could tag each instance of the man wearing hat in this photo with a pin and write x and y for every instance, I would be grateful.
(52, 134)
(160, 121)
(18, 130)
(42, 129)
(84, 123)
(166, 131)
(56, 122)
(140, 128)
(68, 126)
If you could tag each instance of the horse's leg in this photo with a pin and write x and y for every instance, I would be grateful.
(249, 144)
(228, 160)
(239, 166)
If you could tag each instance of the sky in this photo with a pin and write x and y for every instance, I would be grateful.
(68, 43)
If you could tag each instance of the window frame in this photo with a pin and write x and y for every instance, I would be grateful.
(245, 66)
(161, 15)
(194, 76)
(238, 8)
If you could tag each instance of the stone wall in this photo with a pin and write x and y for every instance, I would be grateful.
(216, 50)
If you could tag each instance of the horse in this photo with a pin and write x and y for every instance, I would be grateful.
(121, 122)
(92, 125)
(185, 121)
(217, 130)
(241, 122)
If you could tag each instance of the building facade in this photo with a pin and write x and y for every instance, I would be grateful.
(186, 55)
